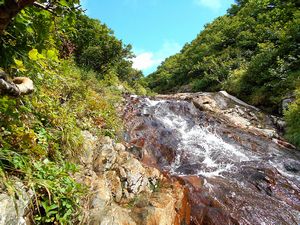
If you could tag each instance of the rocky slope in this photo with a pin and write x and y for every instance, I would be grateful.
(230, 155)
(201, 158)
(121, 190)
(124, 191)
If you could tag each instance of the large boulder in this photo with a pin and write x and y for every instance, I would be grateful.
(125, 191)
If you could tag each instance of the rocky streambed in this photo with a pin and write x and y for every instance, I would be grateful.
(202, 158)
(229, 155)
(124, 191)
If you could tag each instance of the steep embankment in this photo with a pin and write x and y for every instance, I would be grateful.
(78, 121)
(79, 70)
(251, 52)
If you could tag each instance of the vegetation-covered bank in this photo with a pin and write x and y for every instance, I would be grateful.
(79, 70)
(252, 52)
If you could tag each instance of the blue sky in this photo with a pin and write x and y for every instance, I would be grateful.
(156, 29)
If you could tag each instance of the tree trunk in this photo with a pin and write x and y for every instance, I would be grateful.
(10, 9)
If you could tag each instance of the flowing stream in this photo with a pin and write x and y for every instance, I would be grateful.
(234, 177)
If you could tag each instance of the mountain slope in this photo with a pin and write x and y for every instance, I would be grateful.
(252, 52)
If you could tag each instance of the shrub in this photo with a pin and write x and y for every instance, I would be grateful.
(292, 117)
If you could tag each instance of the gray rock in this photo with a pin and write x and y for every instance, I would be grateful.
(286, 102)
(13, 211)
(89, 145)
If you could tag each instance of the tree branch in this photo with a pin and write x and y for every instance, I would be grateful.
(10, 9)
(42, 6)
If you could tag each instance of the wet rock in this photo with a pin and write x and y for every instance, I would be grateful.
(279, 123)
(292, 166)
(230, 156)
(234, 111)
(287, 101)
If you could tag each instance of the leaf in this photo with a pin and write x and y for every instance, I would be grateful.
(51, 54)
(19, 66)
(22, 69)
(19, 63)
(64, 3)
(33, 54)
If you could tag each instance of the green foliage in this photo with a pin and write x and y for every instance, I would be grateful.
(41, 133)
(292, 117)
(80, 70)
(37, 28)
(62, 206)
(56, 194)
(98, 49)
(252, 52)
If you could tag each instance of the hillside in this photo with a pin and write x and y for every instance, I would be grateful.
(252, 52)
(79, 71)
(82, 141)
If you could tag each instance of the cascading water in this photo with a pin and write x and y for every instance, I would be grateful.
(201, 147)
(245, 179)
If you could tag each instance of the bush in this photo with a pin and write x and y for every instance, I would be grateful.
(292, 117)
(41, 133)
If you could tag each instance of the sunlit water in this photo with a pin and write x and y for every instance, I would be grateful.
(201, 147)
(251, 178)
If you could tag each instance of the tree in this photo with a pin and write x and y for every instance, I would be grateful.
(10, 8)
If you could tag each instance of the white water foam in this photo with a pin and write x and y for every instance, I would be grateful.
(198, 145)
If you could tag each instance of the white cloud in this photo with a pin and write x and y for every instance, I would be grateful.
(147, 61)
(143, 61)
(212, 4)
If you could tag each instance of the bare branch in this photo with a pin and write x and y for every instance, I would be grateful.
(42, 6)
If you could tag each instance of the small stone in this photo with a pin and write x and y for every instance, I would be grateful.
(115, 185)
(122, 172)
(119, 147)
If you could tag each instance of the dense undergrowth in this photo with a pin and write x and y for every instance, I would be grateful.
(252, 52)
(80, 71)
(40, 134)
(292, 116)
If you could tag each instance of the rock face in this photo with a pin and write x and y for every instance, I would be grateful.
(127, 192)
(287, 101)
(231, 110)
(122, 191)
(14, 211)
(229, 155)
